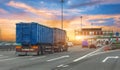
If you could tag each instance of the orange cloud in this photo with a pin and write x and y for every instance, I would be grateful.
(43, 13)
(7, 25)
(3, 11)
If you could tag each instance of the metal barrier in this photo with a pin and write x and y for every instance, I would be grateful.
(7, 48)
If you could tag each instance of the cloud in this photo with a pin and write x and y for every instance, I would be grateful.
(85, 4)
(45, 13)
(8, 27)
(93, 3)
(108, 1)
(101, 21)
(3, 11)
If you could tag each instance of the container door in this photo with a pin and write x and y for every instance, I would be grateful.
(26, 33)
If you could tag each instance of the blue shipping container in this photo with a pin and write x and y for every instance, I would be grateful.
(34, 33)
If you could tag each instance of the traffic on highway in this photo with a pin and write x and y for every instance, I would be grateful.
(59, 35)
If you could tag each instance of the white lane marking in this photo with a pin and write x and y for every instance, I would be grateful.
(115, 57)
(65, 66)
(89, 54)
(60, 65)
(37, 58)
(66, 56)
(12, 58)
(104, 52)
(8, 59)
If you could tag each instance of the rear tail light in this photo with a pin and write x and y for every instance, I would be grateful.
(34, 47)
(18, 47)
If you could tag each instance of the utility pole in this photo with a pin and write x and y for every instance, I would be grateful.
(81, 21)
(0, 35)
(91, 25)
(62, 1)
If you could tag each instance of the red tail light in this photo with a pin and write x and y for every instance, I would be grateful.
(34, 47)
(18, 47)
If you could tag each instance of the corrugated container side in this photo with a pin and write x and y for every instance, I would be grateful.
(18, 33)
(26, 33)
(33, 33)
(45, 35)
(60, 36)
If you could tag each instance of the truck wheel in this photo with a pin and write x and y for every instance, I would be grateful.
(66, 49)
(38, 53)
(52, 50)
(42, 50)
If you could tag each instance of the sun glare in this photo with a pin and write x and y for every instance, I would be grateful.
(79, 37)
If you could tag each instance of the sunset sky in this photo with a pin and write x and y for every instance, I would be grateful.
(101, 13)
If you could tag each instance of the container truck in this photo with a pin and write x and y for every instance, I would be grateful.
(35, 39)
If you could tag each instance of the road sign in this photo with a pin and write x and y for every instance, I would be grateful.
(117, 33)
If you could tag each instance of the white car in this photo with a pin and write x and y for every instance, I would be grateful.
(99, 45)
(69, 44)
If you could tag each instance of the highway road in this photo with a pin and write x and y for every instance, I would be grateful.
(8, 60)
(103, 61)
(76, 58)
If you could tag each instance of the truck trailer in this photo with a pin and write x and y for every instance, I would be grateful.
(36, 39)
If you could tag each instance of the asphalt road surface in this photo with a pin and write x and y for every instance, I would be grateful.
(103, 61)
(76, 58)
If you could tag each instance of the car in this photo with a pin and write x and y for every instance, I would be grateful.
(99, 45)
(92, 46)
(107, 48)
(84, 44)
(69, 44)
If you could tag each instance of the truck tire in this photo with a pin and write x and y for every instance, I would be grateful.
(38, 53)
(65, 49)
(52, 50)
(42, 50)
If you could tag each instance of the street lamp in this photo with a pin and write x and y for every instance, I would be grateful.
(62, 1)
(0, 35)
(81, 21)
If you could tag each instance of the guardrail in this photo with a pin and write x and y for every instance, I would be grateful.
(7, 48)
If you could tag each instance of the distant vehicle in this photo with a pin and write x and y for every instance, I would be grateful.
(69, 44)
(38, 39)
(92, 46)
(107, 48)
(84, 44)
(99, 45)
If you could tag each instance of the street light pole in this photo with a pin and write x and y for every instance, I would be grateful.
(81, 21)
(0, 35)
(62, 1)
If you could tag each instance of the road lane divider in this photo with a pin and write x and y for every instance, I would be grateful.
(87, 55)
(104, 52)
(66, 56)
(65, 66)
(37, 58)
(62, 65)
(8, 59)
(110, 57)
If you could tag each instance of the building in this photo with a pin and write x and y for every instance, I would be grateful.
(93, 33)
